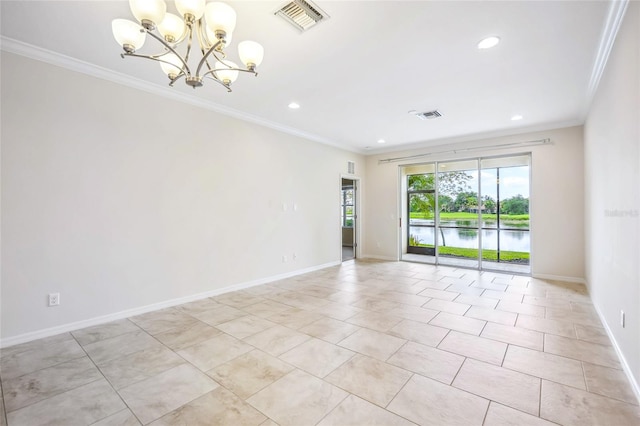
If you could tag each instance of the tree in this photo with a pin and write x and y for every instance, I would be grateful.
(515, 205)
(489, 204)
(466, 201)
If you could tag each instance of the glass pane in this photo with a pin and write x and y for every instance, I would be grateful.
(422, 209)
(489, 191)
(421, 182)
(514, 197)
(422, 236)
(490, 245)
(514, 247)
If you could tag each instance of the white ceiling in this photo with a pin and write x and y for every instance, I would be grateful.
(358, 74)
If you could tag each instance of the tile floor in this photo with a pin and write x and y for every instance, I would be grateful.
(386, 343)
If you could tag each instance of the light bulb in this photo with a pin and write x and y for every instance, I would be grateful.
(191, 7)
(146, 11)
(171, 28)
(220, 17)
(128, 34)
(251, 53)
(212, 39)
(225, 74)
(174, 65)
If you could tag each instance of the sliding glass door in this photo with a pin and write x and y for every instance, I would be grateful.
(471, 213)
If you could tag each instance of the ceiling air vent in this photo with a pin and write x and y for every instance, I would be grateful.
(302, 14)
(429, 115)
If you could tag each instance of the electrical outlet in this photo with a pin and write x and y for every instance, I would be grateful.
(54, 299)
(622, 318)
(284, 258)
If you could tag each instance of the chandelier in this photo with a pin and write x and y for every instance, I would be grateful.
(209, 24)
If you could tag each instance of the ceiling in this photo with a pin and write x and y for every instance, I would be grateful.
(359, 73)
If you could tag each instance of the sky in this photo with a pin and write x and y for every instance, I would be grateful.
(513, 181)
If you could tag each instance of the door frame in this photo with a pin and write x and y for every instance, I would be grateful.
(356, 211)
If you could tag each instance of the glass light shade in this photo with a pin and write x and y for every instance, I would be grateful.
(220, 16)
(192, 7)
(173, 67)
(171, 26)
(128, 32)
(212, 39)
(250, 52)
(224, 73)
(151, 10)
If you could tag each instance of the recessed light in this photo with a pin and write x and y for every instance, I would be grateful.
(489, 42)
(381, 141)
(517, 117)
(294, 105)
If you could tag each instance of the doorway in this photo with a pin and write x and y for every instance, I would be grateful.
(348, 218)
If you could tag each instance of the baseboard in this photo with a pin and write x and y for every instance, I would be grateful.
(559, 278)
(65, 328)
(377, 257)
(625, 365)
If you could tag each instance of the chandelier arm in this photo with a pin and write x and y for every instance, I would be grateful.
(189, 42)
(206, 55)
(185, 68)
(212, 76)
(156, 58)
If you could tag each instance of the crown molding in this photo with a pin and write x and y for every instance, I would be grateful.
(54, 58)
(612, 24)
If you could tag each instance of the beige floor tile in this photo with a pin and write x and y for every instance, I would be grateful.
(277, 340)
(104, 331)
(490, 286)
(183, 338)
(459, 323)
(376, 305)
(15, 364)
(414, 313)
(245, 326)
(138, 366)
(575, 317)
(516, 390)
(521, 308)
(250, 373)
(583, 351)
(500, 415)
(156, 396)
(514, 335)
(569, 406)
(592, 334)
(527, 291)
(608, 382)
(297, 399)
(317, 357)
(198, 306)
(427, 361)
(439, 294)
(164, 320)
(492, 315)
(559, 328)
(370, 379)
(218, 315)
(503, 296)
(121, 418)
(266, 309)
(419, 332)
(474, 347)
(547, 303)
(3, 417)
(269, 422)
(402, 298)
(338, 311)
(80, 406)
(372, 343)
(428, 402)
(42, 384)
(354, 411)
(295, 318)
(238, 299)
(216, 408)
(436, 285)
(38, 344)
(329, 329)
(545, 365)
(465, 289)
(215, 351)
(483, 302)
(375, 321)
(116, 347)
(445, 306)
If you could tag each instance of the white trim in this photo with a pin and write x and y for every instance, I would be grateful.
(625, 365)
(559, 278)
(34, 335)
(39, 54)
(617, 9)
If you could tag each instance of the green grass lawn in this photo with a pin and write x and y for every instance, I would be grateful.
(505, 256)
(469, 216)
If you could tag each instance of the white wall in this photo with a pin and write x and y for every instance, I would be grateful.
(119, 199)
(557, 197)
(612, 186)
